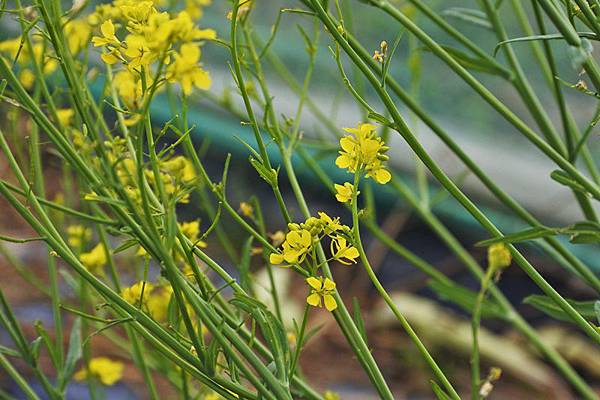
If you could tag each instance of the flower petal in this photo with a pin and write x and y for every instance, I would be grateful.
(330, 303)
(314, 300)
(328, 284)
(314, 282)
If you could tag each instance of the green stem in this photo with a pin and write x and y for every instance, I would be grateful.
(386, 297)
(475, 323)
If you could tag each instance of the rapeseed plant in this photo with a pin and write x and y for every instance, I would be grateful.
(192, 321)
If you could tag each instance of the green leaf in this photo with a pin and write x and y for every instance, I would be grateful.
(597, 310)
(75, 351)
(527, 234)
(549, 307)
(439, 392)
(466, 299)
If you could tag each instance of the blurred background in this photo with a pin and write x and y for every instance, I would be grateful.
(509, 159)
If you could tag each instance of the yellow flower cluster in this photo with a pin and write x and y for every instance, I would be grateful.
(177, 173)
(299, 248)
(300, 241)
(151, 37)
(364, 151)
(105, 370)
(17, 51)
(151, 298)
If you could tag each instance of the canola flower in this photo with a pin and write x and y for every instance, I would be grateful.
(152, 36)
(133, 294)
(363, 150)
(78, 235)
(300, 241)
(95, 259)
(65, 116)
(187, 71)
(105, 370)
(77, 33)
(321, 293)
(195, 7)
(296, 246)
(344, 192)
(151, 298)
(343, 252)
(246, 209)
(15, 50)
(191, 230)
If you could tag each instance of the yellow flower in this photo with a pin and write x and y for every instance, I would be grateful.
(133, 294)
(186, 71)
(103, 12)
(78, 34)
(331, 225)
(78, 235)
(11, 48)
(194, 7)
(277, 238)
(342, 252)
(95, 259)
(110, 41)
(129, 87)
(344, 192)
(191, 230)
(27, 78)
(297, 244)
(321, 292)
(102, 368)
(158, 302)
(363, 149)
(108, 35)
(330, 395)
(185, 30)
(246, 209)
(499, 256)
(181, 168)
(138, 52)
(291, 338)
(65, 116)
